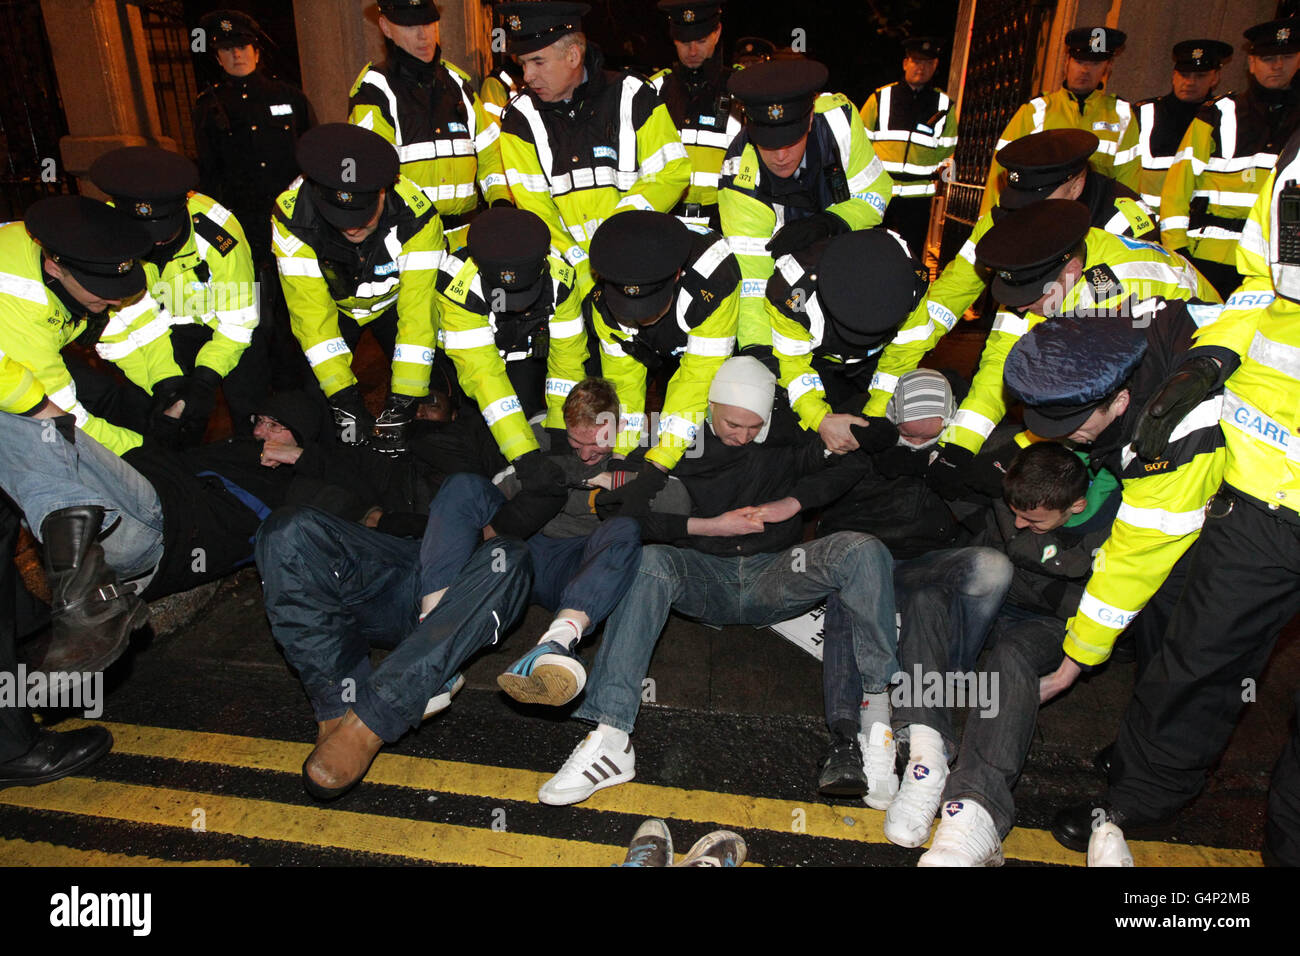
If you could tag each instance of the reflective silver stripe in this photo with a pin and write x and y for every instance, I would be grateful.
(284, 240)
(918, 333)
(380, 82)
(1255, 424)
(1276, 355)
(634, 201)
(1107, 615)
(468, 339)
(973, 421)
(713, 347)
(1011, 324)
(502, 407)
(612, 349)
(786, 346)
(559, 386)
(529, 181)
(1176, 222)
(324, 351)
(371, 290)
(627, 163)
(435, 149)
(1227, 108)
(886, 94)
(23, 288)
(66, 399)
(802, 385)
(420, 261)
(941, 314)
(235, 325)
(884, 382)
(749, 245)
(678, 425)
(656, 161)
(692, 136)
(413, 354)
(541, 145)
(1213, 232)
(359, 312)
(1039, 106)
(295, 266)
(565, 329)
(711, 258)
(905, 190)
(790, 270)
(448, 191)
(1176, 523)
(705, 180)
(1204, 415)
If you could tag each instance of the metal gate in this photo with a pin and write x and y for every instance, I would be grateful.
(1005, 39)
(172, 69)
(31, 113)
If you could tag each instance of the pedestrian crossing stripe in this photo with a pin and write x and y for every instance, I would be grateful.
(472, 845)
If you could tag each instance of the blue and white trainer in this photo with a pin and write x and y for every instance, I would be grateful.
(549, 673)
(442, 700)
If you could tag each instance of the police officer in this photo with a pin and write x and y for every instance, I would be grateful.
(246, 126)
(1226, 153)
(512, 324)
(60, 272)
(1241, 588)
(358, 246)
(913, 130)
(695, 91)
(1046, 261)
(582, 143)
(832, 306)
(1086, 380)
(1162, 120)
(1048, 165)
(1081, 103)
(201, 278)
(801, 170)
(665, 302)
(427, 108)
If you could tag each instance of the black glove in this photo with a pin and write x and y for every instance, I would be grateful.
(355, 425)
(637, 494)
(984, 475)
(200, 398)
(946, 475)
(538, 474)
(802, 233)
(390, 426)
(1180, 393)
(525, 515)
(876, 437)
(163, 428)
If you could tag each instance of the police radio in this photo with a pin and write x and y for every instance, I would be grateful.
(1288, 225)
(723, 113)
(838, 182)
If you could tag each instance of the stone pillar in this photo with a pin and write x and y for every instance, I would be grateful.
(336, 38)
(102, 61)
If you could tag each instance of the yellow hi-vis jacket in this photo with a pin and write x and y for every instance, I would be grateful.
(708, 120)
(1114, 209)
(1105, 115)
(1162, 122)
(912, 149)
(1115, 270)
(612, 147)
(401, 270)
(35, 325)
(1162, 502)
(700, 329)
(20, 393)
(1224, 158)
(750, 217)
(469, 335)
(446, 141)
(210, 281)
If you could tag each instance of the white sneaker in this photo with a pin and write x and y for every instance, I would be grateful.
(1107, 847)
(878, 753)
(592, 766)
(908, 819)
(966, 837)
(442, 700)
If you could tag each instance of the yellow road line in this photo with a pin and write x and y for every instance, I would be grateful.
(29, 853)
(646, 800)
(310, 826)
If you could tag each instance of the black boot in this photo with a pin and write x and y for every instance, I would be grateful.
(842, 773)
(92, 615)
(55, 756)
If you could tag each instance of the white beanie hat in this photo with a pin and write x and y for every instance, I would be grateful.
(745, 382)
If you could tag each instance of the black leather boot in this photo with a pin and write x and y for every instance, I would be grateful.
(54, 756)
(92, 615)
(842, 773)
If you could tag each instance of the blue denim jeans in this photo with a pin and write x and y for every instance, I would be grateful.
(333, 589)
(759, 590)
(44, 473)
(589, 574)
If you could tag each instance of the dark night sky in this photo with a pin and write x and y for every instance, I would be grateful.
(857, 39)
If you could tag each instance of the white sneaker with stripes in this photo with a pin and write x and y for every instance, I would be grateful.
(593, 765)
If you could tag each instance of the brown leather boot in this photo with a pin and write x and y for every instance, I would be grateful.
(92, 614)
(326, 727)
(341, 760)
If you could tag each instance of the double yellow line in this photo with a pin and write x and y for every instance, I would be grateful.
(448, 843)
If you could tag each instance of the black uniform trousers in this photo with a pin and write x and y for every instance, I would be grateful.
(17, 730)
(1282, 827)
(1242, 588)
(909, 216)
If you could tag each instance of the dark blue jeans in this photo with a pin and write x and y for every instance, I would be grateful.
(589, 574)
(760, 590)
(333, 589)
